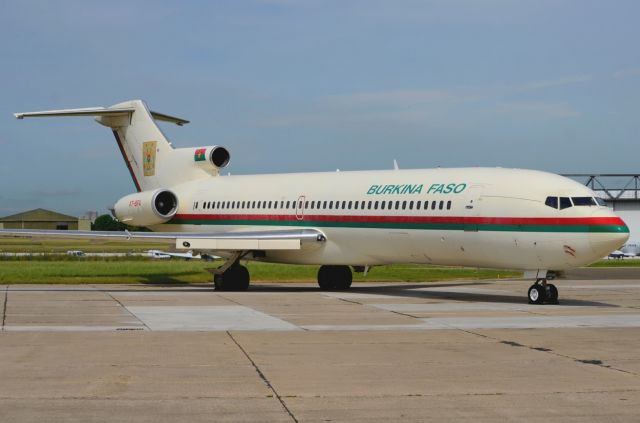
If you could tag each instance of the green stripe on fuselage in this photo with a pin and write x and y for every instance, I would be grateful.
(401, 225)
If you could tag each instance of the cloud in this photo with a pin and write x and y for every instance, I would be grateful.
(394, 98)
(626, 72)
(537, 85)
(538, 109)
(55, 193)
(426, 106)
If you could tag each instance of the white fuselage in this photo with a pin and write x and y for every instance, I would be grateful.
(485, 217)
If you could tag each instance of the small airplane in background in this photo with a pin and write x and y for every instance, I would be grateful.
(481, 217)
(158, 254)
(618, 254)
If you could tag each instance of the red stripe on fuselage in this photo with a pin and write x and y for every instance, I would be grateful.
(471, 220)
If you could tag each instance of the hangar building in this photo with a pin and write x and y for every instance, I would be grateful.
(44, 219)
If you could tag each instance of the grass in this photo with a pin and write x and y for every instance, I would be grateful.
(617, 263)
(126, 270)
(23, 245)
(96, 270)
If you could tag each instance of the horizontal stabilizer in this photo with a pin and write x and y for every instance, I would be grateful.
(168, 118)
(100, 111)
(89, 111)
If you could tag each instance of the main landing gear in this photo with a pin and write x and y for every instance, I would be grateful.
(541, 292)
(235, 278)
(231, 276)
(334, 277)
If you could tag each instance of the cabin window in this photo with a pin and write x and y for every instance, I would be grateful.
(404, 205)
(369, 205)
(397, 205)
(441, 205)
(375, 205)
(350, 204)
(583, 201)
(306, 204)
(362, 205)
(344, 204)
(410, 205)
(565, 203)
(418, 205)
(449, 205)
(552, 202)
(382, 204)
(433, 205)
(355, 205)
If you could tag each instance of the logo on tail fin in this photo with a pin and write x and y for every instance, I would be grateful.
(149, 157)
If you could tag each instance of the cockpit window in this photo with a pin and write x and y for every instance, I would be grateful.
(552, 202)
(565, 203)
(601, 202)
(583, 201)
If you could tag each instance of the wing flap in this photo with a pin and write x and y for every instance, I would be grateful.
(238, 244)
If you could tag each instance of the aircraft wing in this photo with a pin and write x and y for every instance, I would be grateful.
(296, 239)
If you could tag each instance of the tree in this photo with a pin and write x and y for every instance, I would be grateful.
(107, 223)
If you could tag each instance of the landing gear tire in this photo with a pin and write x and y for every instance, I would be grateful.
(536, 294)
(552, 294)
(235, 278)
(334, 277)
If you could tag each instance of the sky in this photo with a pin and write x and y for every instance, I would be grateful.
(318, 85)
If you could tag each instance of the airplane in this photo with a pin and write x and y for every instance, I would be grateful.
(158, 254)
(534, 221)
(617, 254)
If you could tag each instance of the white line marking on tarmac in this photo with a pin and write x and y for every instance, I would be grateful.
(441, 307)
(54, 328)
(612, 286)
(533, 322)
(208, 318)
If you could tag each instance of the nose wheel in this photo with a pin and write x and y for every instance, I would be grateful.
(542, 292)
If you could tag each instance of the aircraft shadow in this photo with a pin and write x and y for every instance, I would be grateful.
(161, 283)
(417, 291)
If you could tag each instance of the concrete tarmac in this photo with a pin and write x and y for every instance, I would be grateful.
(455, 351)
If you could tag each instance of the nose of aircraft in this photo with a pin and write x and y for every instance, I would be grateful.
(608, 235)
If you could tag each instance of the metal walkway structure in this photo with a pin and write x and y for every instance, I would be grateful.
(621, 191)
(612, 187)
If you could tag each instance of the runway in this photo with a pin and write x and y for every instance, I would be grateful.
(456, 351)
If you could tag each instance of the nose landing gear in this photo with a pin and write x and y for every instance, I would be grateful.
(541, 292)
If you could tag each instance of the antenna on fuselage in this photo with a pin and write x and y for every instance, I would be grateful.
(395, 165)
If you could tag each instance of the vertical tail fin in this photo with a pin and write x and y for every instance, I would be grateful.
(152, 161)
(146, 151)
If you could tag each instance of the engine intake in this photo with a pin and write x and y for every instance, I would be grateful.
(147, 208)
(219, 157)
